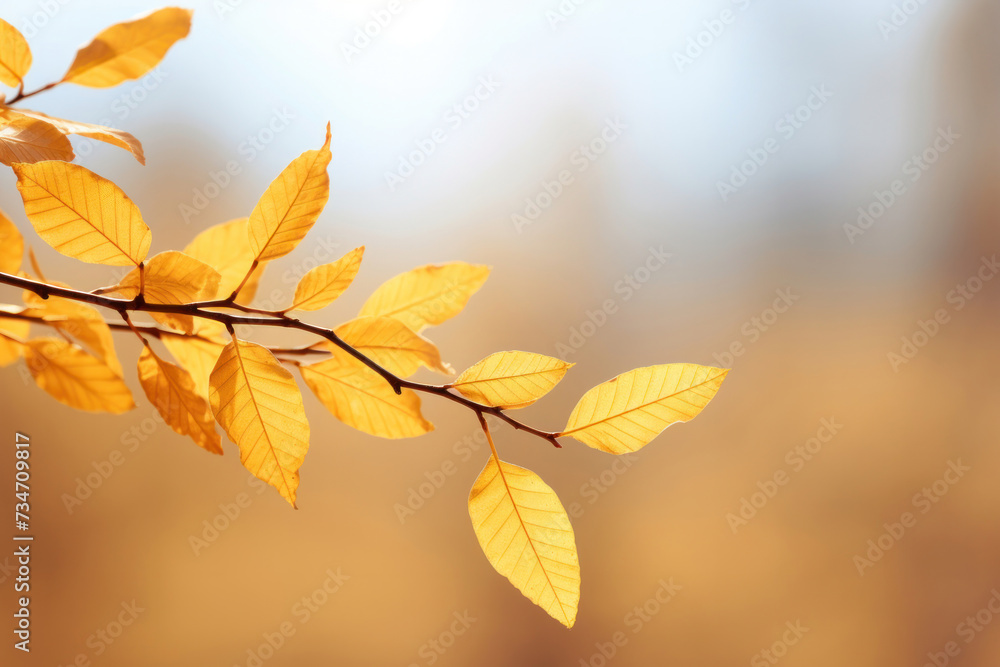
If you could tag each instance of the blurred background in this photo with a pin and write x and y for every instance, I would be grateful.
(757, 144)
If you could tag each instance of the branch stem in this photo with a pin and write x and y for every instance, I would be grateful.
(21, 95)
(248, 316)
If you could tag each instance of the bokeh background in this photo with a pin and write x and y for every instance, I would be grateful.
(274, 73)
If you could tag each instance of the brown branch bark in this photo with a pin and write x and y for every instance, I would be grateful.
(248, 316)
(21, 95)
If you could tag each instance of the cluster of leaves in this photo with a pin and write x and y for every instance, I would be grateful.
(122, 52)
(197, 296)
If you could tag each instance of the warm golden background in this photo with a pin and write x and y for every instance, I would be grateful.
(665, 516)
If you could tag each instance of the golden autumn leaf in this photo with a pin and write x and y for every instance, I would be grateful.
(15, 56)
(511, 379)
(81, 214)
(171, 391)
(172, 278)
(392, 345)
(73, 377)
(226, 248)
(197, 355)
(428, 295)
(78, 321)
(129, 50)
(11, 245)
(12, 335)
(258, 404)
(108, 135)
(29, 140)
(291, 204)
(360, 398)
(527, 537)
(323, 284)
(626, 413)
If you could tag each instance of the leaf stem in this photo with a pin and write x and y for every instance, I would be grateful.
(236, 292)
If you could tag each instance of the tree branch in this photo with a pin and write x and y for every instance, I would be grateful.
(21, 95)
(248, 316)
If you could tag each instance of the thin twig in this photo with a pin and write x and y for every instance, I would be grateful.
(21, 95)
(210, 310)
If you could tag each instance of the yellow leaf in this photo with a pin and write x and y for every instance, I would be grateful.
(172, 278)
(527, 537)
(108, 135)
(258, 404)
(171, 390)
(81, 214)
(323, 284)
(291, 204)
(427, 295)
(360, 398)
(74, 378)
(129, 50)
(10, 350)
(79, 321)
(392, 345)
(15, 56)
(511, 379)
(11, 246)
(226, 248)
(198, 355)
(30, 140)
(624, 414)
